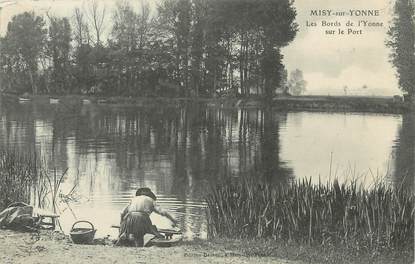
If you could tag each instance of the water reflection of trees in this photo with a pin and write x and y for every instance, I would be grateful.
(274, 170)
(405, 152)
(179, 151)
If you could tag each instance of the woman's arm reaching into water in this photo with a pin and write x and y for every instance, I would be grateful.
(160, 211)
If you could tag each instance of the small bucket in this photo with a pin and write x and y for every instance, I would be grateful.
(82, 235)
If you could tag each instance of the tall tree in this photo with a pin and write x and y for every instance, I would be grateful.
(199, 11)
(124, 45)
(58, 50)
(97, 15)
(268, 25)
(402, 44)
(277, 20)
(81, 30)
(22, 48)
(82, 67)
(130, 47)
(297, 84)
(175, 18)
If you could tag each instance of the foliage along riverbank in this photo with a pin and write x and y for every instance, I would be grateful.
(24, 177)
(17, 176)
(178, 48)
(283, 103)
(361, 221)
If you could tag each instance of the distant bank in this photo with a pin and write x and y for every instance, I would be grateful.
(393, 105)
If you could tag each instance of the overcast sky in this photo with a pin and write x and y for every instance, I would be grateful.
(329, 62)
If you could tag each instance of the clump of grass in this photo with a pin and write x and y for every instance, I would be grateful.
(331, 214)
(25, 178)
(47, 189)
(18, 172)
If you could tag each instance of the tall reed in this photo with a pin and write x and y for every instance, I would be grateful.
(325, 214)
(47, 189)
(18, 172)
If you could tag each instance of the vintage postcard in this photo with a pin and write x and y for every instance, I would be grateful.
(207, 131)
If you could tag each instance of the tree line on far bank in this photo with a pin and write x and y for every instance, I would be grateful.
(187, 48)
(402, 44)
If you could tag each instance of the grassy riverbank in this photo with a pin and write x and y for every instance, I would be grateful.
(287, 103)
(375, 104)
(356, 220)
(47, 247)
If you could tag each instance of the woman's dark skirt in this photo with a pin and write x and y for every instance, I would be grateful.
(137, 224)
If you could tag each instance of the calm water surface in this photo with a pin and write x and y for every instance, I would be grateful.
(110, 151)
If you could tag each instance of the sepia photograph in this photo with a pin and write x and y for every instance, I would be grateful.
(207, 131)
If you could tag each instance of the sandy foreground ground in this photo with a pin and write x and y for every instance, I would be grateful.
(47, 248)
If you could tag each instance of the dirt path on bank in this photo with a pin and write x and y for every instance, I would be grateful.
(47, 248)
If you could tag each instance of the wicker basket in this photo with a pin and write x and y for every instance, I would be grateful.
(82, 235)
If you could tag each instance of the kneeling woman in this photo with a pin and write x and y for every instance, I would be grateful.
(135, 218)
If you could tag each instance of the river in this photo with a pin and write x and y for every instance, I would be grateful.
(180, 152)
